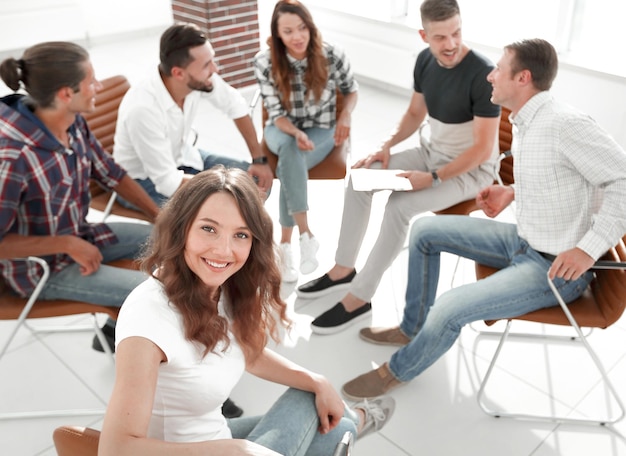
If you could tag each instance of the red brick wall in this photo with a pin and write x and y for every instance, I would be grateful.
(232, 27)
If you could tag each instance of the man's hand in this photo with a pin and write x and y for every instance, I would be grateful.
(381, 156)
(570, 265)
(263, 177)
(419, 179)
(494, 199)
(87, 255)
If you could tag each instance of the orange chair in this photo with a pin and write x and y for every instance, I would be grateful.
(76, 441)
(334, 166)
(102, 122)
(599, 307)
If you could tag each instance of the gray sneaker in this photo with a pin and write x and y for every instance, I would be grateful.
(377, 412)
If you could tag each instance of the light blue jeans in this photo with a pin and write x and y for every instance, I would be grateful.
(108, 286)
(293, 167)
(519, 287)
(210, 160)
(290, 427)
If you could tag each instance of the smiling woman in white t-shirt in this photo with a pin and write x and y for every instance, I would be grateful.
(185, 336)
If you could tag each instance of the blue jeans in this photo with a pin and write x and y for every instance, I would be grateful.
(519, 287)
(293, 166)
(210, 160)
(290, 427)
(108, 286)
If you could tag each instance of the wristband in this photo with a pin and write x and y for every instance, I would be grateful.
(260, 160)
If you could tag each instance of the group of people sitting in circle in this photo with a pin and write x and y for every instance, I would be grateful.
(204, 301)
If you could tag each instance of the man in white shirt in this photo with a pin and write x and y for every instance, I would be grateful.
(570, 194)
(154, 140)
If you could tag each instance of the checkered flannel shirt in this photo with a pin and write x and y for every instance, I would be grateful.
(305, 112)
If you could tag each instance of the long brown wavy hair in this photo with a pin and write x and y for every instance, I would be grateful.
(252, 294)
(316, 75)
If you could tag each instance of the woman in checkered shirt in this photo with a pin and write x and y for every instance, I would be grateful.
(299, 76)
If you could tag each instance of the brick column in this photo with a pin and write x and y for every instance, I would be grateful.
(232, 27)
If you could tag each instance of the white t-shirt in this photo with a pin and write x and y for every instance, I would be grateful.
(190, 389)
(153, 136)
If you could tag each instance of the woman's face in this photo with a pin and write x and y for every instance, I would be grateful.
(294, 34)
(219, 242)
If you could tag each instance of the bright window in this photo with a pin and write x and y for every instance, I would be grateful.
(584, 32)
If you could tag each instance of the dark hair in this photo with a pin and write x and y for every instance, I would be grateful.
(253, 292)
(175, 44)
(537, 56)
(316, 75)
(44, 69)
(438, 10)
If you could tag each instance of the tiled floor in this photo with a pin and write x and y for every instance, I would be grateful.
(436, 414)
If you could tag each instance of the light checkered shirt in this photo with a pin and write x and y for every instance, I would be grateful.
(305, 111)
(570, 179)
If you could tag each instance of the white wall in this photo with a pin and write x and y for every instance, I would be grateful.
(26, 22)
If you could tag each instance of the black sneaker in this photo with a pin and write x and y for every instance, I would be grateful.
(109, 335)
(337, 318)
(324, 285)
(230, 409)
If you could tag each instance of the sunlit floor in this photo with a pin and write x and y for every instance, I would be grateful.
(436, 414)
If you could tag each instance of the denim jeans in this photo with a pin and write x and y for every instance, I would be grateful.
(108, 286)
(290, 427)
(210, 160)
(293, 166)
(519, 287)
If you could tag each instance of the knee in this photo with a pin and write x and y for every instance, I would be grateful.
(423, 230)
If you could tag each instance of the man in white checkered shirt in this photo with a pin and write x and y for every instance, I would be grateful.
(570, 193)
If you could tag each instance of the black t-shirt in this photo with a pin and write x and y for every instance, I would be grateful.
(455, 95)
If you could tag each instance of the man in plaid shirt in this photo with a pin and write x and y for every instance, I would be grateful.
(48, 155)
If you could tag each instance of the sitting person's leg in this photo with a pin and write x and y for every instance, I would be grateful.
(109, 285)
(292, 171)
(150, 189)
(210, 160)
(290, 427)
(433, 326)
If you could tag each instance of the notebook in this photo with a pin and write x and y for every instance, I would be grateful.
(365, 179)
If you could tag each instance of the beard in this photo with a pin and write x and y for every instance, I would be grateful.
(195, 84)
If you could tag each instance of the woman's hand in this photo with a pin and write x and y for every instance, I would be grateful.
(303, 141)
(330, 406)
(342, 130)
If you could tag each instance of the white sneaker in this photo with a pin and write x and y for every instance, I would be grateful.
(308, 248)
(288, 272)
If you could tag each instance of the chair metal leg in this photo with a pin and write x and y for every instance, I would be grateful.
(21, 322)
(109, 207)
(552, 418)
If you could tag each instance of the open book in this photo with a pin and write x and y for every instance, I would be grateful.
(365, 179)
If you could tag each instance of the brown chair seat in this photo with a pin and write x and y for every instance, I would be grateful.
(76, 441)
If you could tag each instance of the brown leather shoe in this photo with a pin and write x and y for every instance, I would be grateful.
(373, 384)
(385, 336)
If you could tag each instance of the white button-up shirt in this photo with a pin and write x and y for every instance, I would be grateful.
(154, 137)
(570, 179)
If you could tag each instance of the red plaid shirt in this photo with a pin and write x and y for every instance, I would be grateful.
(44, 187)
